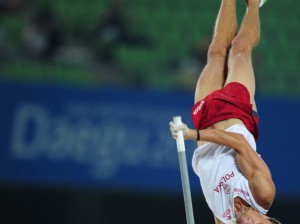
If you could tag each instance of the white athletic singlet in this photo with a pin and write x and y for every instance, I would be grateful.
(221, 178)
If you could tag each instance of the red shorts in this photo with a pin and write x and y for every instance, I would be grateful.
(233, 101)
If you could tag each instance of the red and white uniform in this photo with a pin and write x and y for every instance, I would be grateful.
(221, 178)
(233, 101)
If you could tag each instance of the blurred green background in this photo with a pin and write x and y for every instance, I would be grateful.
(142, 43)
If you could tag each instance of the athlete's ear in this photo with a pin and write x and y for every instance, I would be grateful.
(245, 219)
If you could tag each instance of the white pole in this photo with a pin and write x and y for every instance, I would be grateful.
(184, 174)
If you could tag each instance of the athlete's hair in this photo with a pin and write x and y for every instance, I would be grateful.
(274, 221)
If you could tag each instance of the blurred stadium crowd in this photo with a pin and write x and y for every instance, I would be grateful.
(142, 43)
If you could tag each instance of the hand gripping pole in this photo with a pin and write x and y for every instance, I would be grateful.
(184, 174)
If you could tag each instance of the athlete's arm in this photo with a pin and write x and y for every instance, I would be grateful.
(252, 166)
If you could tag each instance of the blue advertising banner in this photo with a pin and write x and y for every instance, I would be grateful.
(119, 138)
(90, 137)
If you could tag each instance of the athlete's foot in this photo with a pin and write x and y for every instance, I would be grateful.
(261, 2)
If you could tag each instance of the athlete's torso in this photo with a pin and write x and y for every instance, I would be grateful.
(223, 125)
(220, 176)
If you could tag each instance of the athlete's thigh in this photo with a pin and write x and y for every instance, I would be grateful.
(211, 78)
(241, 70)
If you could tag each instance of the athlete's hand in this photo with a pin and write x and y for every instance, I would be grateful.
(182, 127)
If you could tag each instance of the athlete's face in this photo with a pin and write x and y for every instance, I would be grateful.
(252, 217)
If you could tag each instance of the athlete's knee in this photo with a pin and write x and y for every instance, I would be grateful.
(216, 51)
(240, 46)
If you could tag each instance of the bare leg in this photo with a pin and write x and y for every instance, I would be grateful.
(240, 67)
(213, 75)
